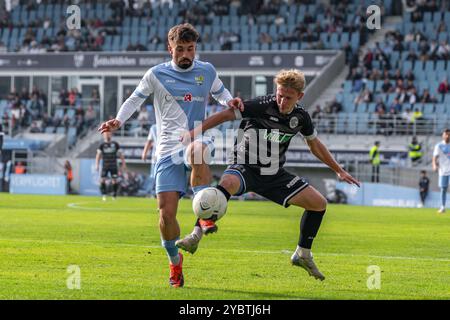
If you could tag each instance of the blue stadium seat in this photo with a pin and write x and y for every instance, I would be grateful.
(439, 109)
(363, 123)
(441, 65)
(348, 86)
(264, 46)
(236, 46)
(72, 136)
(371, 107)
(429, 66)
(418, 66)
(275, 46)
(341, 122)
(295, 46)
(59, 113)
(49, 130)
(354, 40)
(71, 113)
(443, 36)
(430, 30)
(60, 130)
(361, 108)
(428, 108)
(345, 37)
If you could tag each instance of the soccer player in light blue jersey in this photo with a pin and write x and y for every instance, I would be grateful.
(181, 89)
(441, 162)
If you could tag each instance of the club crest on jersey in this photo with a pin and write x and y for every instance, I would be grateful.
(293, 122)
(199, 80)
(188, 97)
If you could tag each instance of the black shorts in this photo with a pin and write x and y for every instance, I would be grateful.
(279, 187)
(111, 171)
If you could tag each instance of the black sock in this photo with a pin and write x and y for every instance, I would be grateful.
(309, 226)
(115, 187)
(224, 191)
(103, 188)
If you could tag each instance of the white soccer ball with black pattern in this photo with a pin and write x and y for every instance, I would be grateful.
(210, 203)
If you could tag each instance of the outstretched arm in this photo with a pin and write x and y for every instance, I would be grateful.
(321, 152)
(208, 123)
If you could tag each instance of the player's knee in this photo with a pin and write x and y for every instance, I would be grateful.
(166, 217)
(321, 203)
(230, 183)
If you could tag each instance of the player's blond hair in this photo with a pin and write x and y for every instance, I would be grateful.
(184, 32)
(291, 78)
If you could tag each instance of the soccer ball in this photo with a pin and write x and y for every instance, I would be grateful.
(210, 203)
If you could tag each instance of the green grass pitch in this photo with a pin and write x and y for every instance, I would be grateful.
(116, 246)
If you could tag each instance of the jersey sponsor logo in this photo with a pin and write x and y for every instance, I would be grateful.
(274, 119)
(293, 181)
(293, 122)
(170, 81)
(188, 97)
(279, 137)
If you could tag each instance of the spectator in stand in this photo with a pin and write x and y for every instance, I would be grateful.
(95, 96)
(24, 95)
(364, 97)
(396, 105)
(427, 97)
(387, 86)
(443, 51)
(412, 95)
(46, 121)
(68, 172)
(63, 97)
(143, 117)
(90, 116)
(35, 108)
(19, 168)
(317, 113)
(412, 56)
(74, 97)
(444, 87)
(391, 120)
(410, 76)
(34, 128)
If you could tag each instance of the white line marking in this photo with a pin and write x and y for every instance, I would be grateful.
(78, 206)
(232, 250)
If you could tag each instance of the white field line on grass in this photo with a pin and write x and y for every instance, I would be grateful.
(77, 205)
(231, 250)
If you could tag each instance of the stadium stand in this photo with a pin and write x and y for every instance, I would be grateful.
(396, 87)
(224, 25)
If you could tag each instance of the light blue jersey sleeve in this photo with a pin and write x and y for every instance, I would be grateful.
(143, 90)
(218, 90)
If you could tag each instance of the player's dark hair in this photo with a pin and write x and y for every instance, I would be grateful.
(446, 130)
(183, 33)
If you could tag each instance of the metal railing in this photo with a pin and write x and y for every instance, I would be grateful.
(363, 123)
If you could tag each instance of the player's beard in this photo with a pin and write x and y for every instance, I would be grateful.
(185, 64)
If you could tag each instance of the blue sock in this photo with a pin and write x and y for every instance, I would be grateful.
(197, 189)
(172, 250)
(443, 196)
